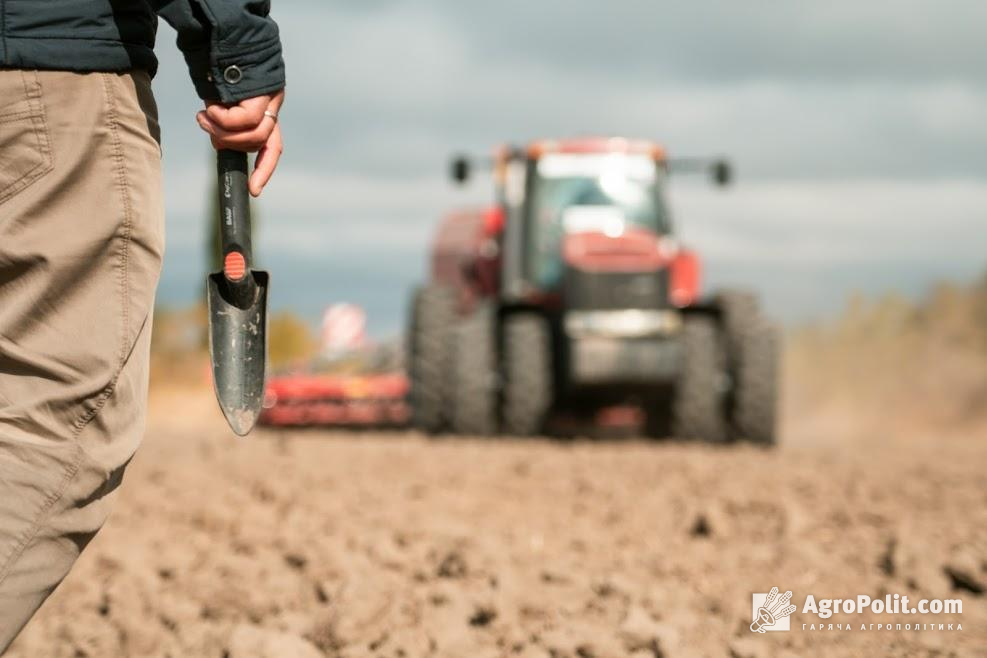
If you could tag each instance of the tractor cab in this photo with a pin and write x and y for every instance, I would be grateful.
(574, 213)
(612, 200)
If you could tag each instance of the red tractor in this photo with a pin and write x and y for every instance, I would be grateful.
(571, 294)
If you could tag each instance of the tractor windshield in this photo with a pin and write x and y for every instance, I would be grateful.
(573, 193)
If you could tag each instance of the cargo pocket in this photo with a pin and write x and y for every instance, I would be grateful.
(25, 151)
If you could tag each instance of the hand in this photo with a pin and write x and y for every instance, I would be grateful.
(245, 127)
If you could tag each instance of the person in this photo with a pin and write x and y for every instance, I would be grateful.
(81, 242)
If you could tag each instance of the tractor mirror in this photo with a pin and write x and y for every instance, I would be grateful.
(722, 172)
(460, 169)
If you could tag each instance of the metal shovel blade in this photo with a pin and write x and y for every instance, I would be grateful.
(238, 345)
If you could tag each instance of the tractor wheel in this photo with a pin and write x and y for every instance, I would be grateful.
(755, 388)
(527, 367)
(432, 314)
(697, 406)
(739, 312)
(473, 376)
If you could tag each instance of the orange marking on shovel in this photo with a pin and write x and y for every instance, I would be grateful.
(234, 266)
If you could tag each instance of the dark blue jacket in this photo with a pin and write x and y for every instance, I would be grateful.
(231, 46)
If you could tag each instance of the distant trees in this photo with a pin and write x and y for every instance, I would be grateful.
(290, 340)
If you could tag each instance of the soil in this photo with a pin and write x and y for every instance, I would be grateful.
(317, 544)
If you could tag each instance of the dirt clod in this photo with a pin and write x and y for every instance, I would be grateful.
(701, 527)
(452, 566)
(483, 616)
(965, 580)
(295, 561)
(886, 563)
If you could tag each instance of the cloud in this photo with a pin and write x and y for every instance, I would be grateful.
(837, 224)
(720, 40)
(393, 88)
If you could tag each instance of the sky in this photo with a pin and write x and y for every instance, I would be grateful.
(858, 133)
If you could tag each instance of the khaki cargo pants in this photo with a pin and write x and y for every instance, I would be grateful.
(81, 241)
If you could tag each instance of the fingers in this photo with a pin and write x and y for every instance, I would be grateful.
(245, 115)
(244, 126)
(245, 140)
(267, 161)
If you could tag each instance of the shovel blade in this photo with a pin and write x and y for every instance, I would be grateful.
(238, 345)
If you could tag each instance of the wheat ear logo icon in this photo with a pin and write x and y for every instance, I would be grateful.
(774, 608)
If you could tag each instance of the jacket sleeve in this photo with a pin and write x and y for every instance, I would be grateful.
(232, 47)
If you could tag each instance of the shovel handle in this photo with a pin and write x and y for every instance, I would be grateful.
(234, 224)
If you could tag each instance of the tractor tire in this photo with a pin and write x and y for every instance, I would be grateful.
(473, 377)
(739, 312)
(697, 407)
(528, 374)
(752, 359)
(429, 354)
(755, 388)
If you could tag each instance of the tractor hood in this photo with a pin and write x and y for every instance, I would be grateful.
(628, 270)
(632, 250)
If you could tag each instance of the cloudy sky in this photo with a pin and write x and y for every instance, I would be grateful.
(858, 132)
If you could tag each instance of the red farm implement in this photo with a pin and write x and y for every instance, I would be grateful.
(336, 400)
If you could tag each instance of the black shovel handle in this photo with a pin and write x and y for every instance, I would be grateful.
(234, 227)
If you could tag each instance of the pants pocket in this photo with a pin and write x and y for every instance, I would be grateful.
(25, 151)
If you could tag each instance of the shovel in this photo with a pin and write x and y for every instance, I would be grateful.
(237, 298)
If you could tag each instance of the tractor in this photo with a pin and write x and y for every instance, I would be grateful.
(570, 293)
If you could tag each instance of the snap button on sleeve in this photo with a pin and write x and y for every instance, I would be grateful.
(233, 74)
